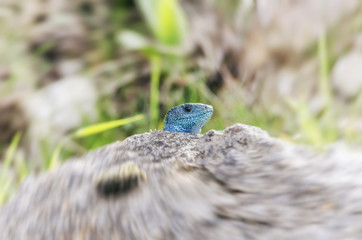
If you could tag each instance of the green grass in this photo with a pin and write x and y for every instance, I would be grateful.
(5, 173)
(166, 20)
(318, 129)
(101, 127)
(155, 85)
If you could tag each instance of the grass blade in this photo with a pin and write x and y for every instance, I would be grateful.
(11, 150)
(101, 127)
(324, 83)
(166, 20)
(154, 96)
(4, 191)
(5, 180)
(55, 159)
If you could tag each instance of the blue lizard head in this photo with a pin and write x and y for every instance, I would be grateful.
(188, 117)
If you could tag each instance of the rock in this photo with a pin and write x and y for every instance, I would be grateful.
(233, 184)
(347, 75)
(70, 67)
(57, 109)
(289, 25)
(62, 106)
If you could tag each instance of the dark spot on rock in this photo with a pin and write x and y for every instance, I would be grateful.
(234, 129)
(117, 186)
(118, 181)
(243, 141)
(208, 136)
(155, 160)
(230, 161)
(159, 143)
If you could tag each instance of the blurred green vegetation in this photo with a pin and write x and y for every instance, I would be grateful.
(156, 43)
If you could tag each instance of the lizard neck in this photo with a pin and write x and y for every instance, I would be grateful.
(178, 128)
(196, 130)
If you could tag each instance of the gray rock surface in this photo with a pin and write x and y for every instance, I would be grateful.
(57, 109)
(347, 75)
(61, 106)
(233, 184)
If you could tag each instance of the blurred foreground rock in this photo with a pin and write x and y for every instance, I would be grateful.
(233, 184)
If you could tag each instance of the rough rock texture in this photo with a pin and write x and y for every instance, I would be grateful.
(233, 184)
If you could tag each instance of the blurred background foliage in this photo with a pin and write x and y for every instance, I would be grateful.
(293, 68)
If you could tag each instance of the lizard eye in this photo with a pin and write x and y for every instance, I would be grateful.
(188, 109)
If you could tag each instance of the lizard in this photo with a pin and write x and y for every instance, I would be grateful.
(188, 118)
